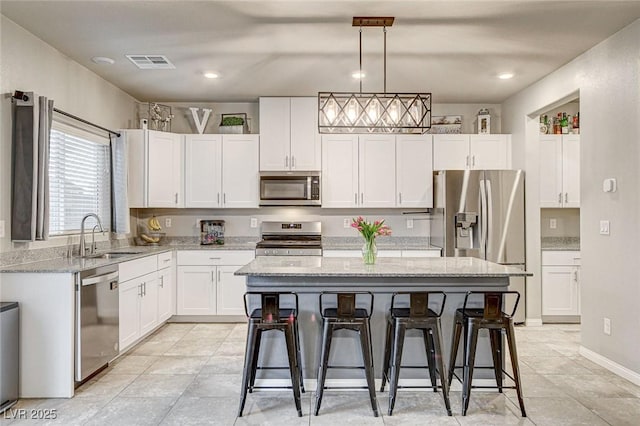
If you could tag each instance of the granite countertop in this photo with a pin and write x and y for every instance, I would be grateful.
(445, 267)
(383, 243)
(560, 243)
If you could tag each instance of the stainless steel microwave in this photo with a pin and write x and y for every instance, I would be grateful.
(290, 189)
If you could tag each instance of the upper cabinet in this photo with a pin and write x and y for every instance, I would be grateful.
(475, 152)
(559, 171)
(289, 138)
(203, 171)
(380, 171)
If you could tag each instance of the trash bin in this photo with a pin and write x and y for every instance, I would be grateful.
(9, 354)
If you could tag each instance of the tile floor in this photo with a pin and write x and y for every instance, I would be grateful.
(189, 374)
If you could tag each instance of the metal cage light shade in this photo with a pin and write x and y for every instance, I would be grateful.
(347, 112)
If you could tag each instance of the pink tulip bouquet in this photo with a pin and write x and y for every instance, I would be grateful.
(370, 230)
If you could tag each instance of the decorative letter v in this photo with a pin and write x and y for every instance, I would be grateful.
(200, 125)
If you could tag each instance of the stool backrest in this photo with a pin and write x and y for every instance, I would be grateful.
(347, 302)
(493, 302)
(270, 307)
(270, 304)
(419, 302)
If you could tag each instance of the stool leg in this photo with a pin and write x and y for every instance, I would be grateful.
(471, 342)
(511, 340)
(248, 360)
(327, 333)
(455, 342)
(496, 350)
(289, 335)
(431, 359)
(254, 364)
(299, 358)
(387, 354)
(367, 355)
(437, 345)
(396, 359)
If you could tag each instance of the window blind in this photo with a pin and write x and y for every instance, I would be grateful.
(79, 179)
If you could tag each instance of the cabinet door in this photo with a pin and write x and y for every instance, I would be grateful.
(136, 164)
(489, 152)
(377, 166)
(550, 160)
(164, 177)
(305, 138)
(195, 293)
(203, 170)
(149, 303)
(450, 152)
(230, 291)
(129, 294)
(414, 171)
(560, 290)
(571, 170)
(274, 134)
(240, 178)
(166, 291)
(340, 171)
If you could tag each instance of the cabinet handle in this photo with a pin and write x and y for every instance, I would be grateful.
(355, 198)
(400, 197)
(575, 276)
(161, 281)
(140, 290)
(566, 197)
(473, 160)
(218, 198)
(166, 260)
(214, 258)
(560, 198)
(224, 198)
(293, 162)
(176, 198)
(467, 161)
(362, 198)
(213, 278)
(218, 275)
(286, 161)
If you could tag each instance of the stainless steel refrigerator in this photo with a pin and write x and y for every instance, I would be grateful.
(480, 213)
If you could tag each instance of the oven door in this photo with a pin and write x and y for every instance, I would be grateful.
(289, 189)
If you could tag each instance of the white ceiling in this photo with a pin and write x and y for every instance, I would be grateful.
(453, 49)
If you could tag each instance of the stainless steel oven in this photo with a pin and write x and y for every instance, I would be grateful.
(290, 189)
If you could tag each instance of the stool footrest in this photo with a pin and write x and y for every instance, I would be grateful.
(348, 367)
(346, 387)
(272, 368)
(271, 387)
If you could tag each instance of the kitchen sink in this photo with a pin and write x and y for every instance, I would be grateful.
(112, 254)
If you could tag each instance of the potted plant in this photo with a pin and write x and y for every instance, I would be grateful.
(233, 123)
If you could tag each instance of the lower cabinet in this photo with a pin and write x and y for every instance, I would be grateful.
(560, 284)
(206, 284)
(138, 308)
(166, 306)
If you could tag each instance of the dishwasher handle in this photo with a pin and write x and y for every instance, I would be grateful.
(97, 279)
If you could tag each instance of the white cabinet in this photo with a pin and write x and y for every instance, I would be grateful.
(560, 283)
(138, 304)
(221, 171)
(379, 171)
(165, 173)
(476, 152)
(289, 138)
(559, 170)
(203, 170)
(166, 286)
(206, 284)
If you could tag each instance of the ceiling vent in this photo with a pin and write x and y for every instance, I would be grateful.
(151, 62)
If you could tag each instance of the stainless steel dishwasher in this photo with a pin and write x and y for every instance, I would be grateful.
(97, 320)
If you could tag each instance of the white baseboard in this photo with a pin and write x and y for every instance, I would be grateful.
(612, 366)
(533, 322)
(350, 384)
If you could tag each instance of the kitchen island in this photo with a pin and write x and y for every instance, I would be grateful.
(309, 275)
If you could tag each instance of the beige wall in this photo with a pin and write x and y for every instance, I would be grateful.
(607, 78)
(29, 64)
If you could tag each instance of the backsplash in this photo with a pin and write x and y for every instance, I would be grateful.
(567, 223)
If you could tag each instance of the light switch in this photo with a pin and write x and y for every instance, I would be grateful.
(604, 227)
(167, 222)
(409, 223)
(346, 222)
(254, 222)
(553, 223)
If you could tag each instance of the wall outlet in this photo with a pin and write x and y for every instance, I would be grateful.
(604, 227)
(607, 326)
(254, 222)
(409, 223)
(346, 222)
(553, 223)
(1, 228)
(167, 222)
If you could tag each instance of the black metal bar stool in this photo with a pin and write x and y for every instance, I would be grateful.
(492, 317)
(344, 314)
(416, 316)
(270, 316)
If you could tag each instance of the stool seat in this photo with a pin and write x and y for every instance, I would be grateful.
(285, 314)
(468, 322)
(418, 316)
(332, 313)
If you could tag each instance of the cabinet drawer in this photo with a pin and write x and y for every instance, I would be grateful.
(562, 257)
(214, 257)
(138, 267)
(164, 260)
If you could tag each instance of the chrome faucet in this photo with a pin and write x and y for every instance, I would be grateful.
(83, 248)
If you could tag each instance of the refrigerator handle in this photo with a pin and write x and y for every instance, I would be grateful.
(490, 223)
(483, 218)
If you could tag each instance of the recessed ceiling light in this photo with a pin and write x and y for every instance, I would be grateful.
(103, 60)
(505, 76)
(358, 74)
(211, 75)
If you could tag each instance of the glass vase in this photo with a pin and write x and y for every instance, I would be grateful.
(369, 252)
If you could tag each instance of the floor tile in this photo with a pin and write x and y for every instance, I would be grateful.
(217, 385)
(159, 385)
(221, 364)
(345, 408)
(74, 411)
(536, 386)
(132, 412)
(239, 332)
(417, 408)
(616, 411)
(554, 365)
(231, 348)
(152, 347)
(274, 408)
(590, 386)
(132, 364)
(195, 346)
(177, 365)
(560, 412)
(492, 408)
(106, 387)
(190, 411)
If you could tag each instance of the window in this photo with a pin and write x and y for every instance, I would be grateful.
(79, 178)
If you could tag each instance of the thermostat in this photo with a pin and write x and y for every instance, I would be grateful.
(609, 185)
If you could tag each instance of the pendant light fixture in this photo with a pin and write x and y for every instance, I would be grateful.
(347, 112)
